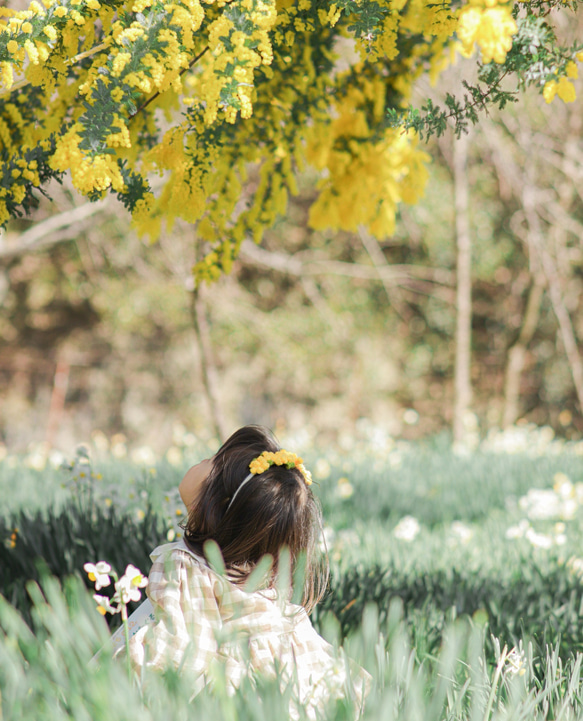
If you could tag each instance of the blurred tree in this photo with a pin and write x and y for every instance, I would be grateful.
(546, 185)
(116, 91)
(322, 326)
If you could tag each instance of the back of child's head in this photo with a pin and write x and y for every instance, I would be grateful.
(274, 509)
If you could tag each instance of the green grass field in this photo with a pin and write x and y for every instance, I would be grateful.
(438, 563)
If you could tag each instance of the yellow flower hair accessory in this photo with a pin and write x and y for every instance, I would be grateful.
(267, 459)
(281, 458)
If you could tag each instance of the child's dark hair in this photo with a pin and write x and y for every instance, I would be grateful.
(275, 509)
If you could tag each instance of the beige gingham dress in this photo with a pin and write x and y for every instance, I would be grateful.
(202, 619)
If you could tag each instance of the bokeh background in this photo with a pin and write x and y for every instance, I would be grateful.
(103, 335)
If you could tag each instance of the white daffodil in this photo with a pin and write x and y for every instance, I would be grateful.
(516, 662)
(128, 586)
(98, 573)
(407, 528)
(104, 605)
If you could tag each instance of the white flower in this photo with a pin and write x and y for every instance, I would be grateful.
(461, 531)
(540, 504)
(516, 661)
(538, 539)
(563, 486)
(576, 566)
(128, 586)
(104, 605)
(322, 469)
(519, 530)
(98, 572)
(144, 455)
(344, 488)
(407, 528)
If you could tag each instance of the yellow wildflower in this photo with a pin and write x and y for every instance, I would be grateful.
(572, 70)
(32, 52)
(549, 91)
(6, 75)
(26, 28)
(119, 62)
(50, 32)
(281, 458)
(12, 46)
(566, 90)
(491, 28)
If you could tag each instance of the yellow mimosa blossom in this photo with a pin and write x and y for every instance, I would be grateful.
(563, 88)
(549, 91)
(491, 28)
(566, 90)
(240, 86)
(6, 75)
(572, 70)
(120, 61)
(50, 32)
(32, 51)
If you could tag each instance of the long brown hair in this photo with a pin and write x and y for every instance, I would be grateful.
(274, 510)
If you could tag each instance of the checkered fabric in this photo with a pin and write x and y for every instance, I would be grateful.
(202, 619)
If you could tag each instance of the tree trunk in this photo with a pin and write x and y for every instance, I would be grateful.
(517, 354)
(208, 368)
(554, 280)
(463, 335)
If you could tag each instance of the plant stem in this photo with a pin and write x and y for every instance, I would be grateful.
(126, 633)
(499, 667)
(156, 94)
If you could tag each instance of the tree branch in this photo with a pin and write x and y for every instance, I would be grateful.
(396, 274)
(41, 235)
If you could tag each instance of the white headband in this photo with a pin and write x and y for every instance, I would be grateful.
(249, 477)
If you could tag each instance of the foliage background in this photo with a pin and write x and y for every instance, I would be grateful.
(317, 350)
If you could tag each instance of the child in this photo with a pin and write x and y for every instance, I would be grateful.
(252, 499)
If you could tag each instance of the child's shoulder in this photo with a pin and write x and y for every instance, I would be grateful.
(179, 555)
(169, 558)
(177, 549)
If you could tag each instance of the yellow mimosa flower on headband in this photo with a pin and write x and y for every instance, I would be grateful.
(281, 458)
